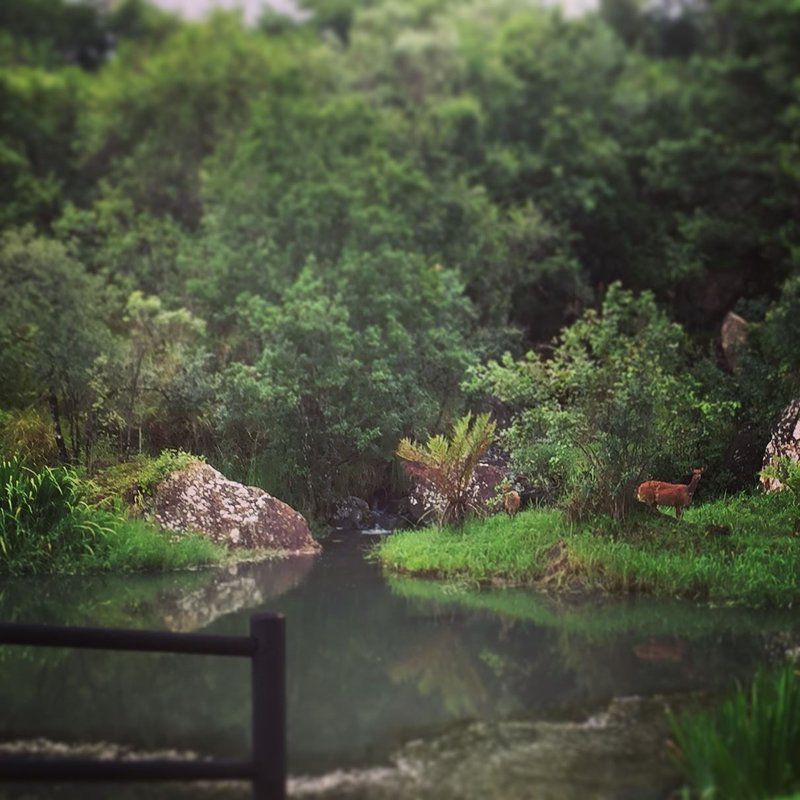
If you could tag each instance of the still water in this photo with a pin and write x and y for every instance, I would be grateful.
(397, 687)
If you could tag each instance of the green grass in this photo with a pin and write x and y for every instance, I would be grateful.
(44, 519)
(133, 545)
(749, 747)
(742, 549)
(499, 547)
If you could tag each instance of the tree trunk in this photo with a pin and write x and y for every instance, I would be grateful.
(52, 399)
(89, 441)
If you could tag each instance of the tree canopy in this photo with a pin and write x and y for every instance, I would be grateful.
(290, 245)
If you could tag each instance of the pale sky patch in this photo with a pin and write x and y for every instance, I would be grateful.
(194, 9)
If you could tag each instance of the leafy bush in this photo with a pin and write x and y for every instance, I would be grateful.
(448, 465)
(27, 434)
(748, 748)
(44, 519)
(134, 481)
(343, 379)
(787, 471)
(618, 401)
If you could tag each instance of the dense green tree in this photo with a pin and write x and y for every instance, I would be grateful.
(333, 381)
(141, 380)
(39, 112)
(323, 222)
(50, 333)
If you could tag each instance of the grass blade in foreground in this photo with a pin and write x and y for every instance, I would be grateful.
(749, 747)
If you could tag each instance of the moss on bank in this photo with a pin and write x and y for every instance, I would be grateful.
(743, 549)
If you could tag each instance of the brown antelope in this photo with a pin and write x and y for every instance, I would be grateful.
(511, 501)
(675, 495)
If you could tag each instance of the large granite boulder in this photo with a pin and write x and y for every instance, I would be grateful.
(784, 442)
(733, 338)
(198, 498)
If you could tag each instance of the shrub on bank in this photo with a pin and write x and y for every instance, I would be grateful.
(748, 748)
(26, 434)
(621, 397)
(787, 472)
(447, 464)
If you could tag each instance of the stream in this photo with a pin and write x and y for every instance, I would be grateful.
(397, 687)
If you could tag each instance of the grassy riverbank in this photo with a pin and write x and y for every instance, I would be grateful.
(110, 543)
(49, 524)
(741, 549)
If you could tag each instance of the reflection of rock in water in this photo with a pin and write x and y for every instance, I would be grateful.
(240, 586)
(112, 751)
(619, 753)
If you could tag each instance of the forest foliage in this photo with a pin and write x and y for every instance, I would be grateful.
(288, 246)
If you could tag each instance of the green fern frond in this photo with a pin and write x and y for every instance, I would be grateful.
(448, 463)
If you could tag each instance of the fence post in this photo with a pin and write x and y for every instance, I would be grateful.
(269, 706)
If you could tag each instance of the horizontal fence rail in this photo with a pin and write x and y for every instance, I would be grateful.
(121, 639)
(266, 649)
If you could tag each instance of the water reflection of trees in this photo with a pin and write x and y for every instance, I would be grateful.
(442, 665)
(604, 647)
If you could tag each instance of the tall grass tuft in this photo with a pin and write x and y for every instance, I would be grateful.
(44, 518)
(749, 748)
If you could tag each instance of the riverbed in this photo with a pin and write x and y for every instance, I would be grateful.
(397, 687)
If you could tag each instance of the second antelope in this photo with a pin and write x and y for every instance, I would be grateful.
(674, 495)
(511, 502)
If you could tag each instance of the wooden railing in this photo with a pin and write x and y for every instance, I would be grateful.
(266, 649)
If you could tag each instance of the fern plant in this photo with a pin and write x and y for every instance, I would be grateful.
(447, 465)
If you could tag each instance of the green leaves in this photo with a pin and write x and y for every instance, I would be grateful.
(328, 379)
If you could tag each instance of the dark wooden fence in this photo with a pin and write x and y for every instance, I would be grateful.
(266, 649)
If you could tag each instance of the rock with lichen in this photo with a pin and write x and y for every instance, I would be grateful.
(351, 513)
(783, 443)
(198, 498)
(733, 338)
